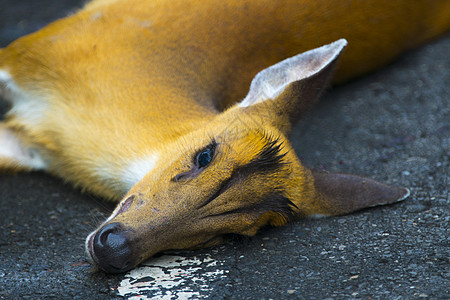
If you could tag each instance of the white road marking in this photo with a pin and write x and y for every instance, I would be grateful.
(171, 277)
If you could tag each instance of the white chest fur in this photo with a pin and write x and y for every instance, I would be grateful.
(137, 169)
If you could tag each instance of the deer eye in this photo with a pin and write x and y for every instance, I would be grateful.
(205, 156)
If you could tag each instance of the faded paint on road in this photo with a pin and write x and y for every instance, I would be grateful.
(171, 277)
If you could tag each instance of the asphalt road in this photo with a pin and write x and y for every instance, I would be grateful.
(393, 126)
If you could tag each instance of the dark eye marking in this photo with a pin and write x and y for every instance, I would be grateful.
(275, 202)
(225, 185)
(269, 159)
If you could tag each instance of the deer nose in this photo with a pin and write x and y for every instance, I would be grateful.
(111, 249)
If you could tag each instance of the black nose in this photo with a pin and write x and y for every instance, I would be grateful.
(111, 249)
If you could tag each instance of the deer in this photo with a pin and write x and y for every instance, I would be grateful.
(180, 111)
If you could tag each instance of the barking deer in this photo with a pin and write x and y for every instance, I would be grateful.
(180, 111)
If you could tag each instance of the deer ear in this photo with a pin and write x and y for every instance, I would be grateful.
(294, 84)
(338, 194)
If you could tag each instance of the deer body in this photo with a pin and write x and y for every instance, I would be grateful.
(146, 101)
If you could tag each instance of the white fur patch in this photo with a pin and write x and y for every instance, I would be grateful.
(29, 109)
(137, 169)
(11, 148)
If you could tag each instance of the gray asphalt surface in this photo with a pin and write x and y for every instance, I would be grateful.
(393, 126)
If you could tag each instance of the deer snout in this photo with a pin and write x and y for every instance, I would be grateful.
(111, 249)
